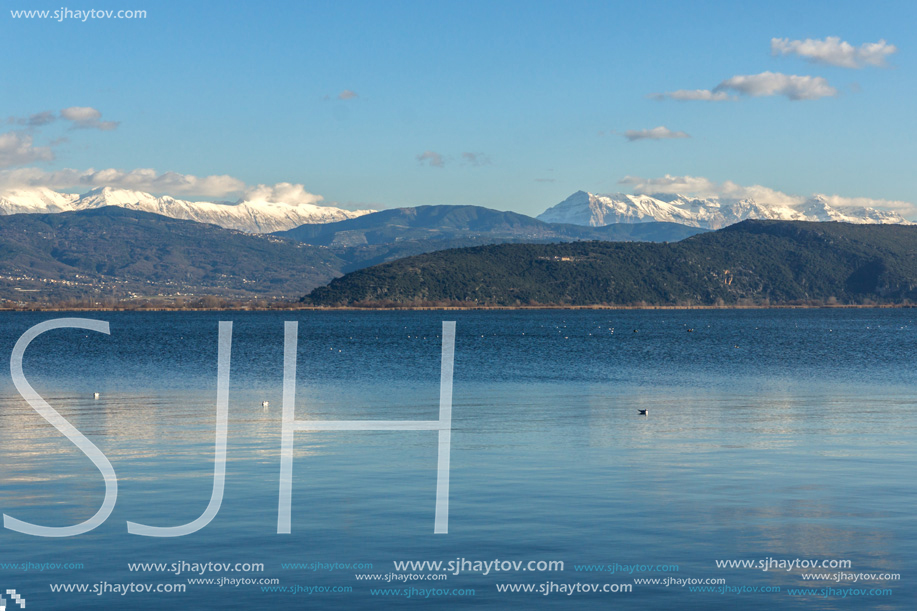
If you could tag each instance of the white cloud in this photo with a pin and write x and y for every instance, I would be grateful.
(475, 159)
(757, 85)
(80, 116)
(168, 183)
(431, 158)
(774, 83)
(18, 148)
(698, 186)
(282, 193)
(684, 95)
(86, 117)
(834, 51)
(80, 113)
(347, 94)
(171, 183)
(657, 133)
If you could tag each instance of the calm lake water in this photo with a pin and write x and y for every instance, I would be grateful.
(784, 434)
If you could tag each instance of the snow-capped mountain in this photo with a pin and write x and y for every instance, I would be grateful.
(817, 208)
(36, 200)
(584, 208)
(248, 216)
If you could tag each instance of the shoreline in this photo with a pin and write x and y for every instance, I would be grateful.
(461, 308)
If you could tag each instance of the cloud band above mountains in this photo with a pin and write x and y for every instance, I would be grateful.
(698, 186)
(17, 148)
(140, 179)
(148, 180)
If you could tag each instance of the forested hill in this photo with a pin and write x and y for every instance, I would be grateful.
(116, 253)
(775, 262)
(443, 223)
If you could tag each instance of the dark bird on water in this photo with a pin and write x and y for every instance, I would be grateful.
(642, 412)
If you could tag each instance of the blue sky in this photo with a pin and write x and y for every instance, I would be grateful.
(516, 104)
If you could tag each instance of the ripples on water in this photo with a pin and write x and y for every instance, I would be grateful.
(782, 433)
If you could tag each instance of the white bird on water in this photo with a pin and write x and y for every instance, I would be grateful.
(265, 404)
(95, 395)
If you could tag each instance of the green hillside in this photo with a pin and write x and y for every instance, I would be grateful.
(762, 262)
(114, 253)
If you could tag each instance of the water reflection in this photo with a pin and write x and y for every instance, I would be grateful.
(798, 443)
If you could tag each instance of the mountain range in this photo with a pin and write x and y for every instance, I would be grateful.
(583, 208)
(255, 216)
(391, 234)
(122, 244)
(118, 253)
(450, 222)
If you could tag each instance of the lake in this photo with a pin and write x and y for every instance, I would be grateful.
(776, 437)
